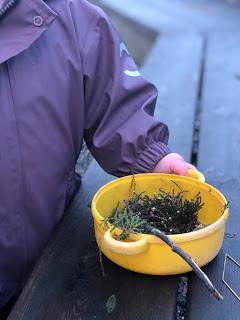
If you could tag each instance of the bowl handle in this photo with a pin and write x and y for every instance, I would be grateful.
(196, 175)
(121, 247)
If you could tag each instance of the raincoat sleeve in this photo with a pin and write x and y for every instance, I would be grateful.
(120, 130)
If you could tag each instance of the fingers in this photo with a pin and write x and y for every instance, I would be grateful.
(191, 166)
(180, 167)
(174, 163)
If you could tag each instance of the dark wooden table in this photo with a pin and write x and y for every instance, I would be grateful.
(198, 78)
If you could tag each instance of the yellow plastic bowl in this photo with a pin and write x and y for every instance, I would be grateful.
(146, 253)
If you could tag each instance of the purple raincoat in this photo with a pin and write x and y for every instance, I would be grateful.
(65, 75)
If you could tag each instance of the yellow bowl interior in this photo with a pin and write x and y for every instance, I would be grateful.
(109, 195)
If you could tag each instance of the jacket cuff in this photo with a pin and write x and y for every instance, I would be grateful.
(150, 156)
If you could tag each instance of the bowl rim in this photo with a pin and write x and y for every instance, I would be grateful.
(178, 238)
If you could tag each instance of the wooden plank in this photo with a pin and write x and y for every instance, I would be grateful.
(175, 71)
(200, 304)
(68, 281)
(220, 130)
(188, 15)
(219, 159)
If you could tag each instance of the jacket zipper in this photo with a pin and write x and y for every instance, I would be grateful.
(7, 7)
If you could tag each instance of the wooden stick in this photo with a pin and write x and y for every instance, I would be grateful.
(175, 248)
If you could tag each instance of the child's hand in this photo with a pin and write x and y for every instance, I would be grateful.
(173, 163)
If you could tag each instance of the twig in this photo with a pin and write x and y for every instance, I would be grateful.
(175, 248)
(101, 263)
(132, 190)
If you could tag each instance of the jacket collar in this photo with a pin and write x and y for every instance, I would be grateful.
(22, 26)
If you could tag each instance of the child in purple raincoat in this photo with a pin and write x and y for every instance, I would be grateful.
(65, 76)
